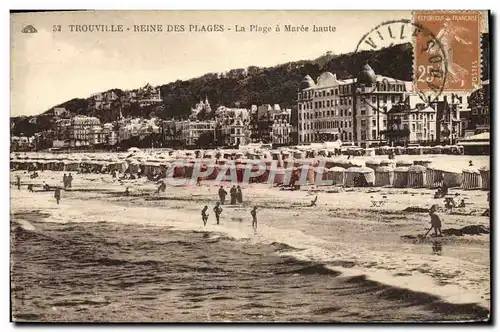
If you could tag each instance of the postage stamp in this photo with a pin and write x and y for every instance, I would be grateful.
(456, 46)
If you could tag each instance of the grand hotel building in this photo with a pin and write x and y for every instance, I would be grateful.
(352, 110)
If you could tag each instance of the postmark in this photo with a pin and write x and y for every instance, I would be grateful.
(402, 31)
(458, 34)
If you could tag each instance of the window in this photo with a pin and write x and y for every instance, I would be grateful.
(341, 112)
(385, 123)
(336, 91)
(350, 101)
(363, 135)
(362, 100)
(413, 116)
(350, 136)
(374, 99)
(374, 122)
(323, 103)
(341, 124)
(384, 98)
(324, 93)
(393, 99)
(350, 123)
(432, 116)
(363, 123)
(412, 127)
(336, 102)
(341, 101)
(374, 134)
(327, 103)
(331, 91)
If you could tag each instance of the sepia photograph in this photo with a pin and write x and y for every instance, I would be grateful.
(280, 166)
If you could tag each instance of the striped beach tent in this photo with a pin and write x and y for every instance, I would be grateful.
(400, 177)
(485, 177)
(452, 176)
(320, 173)
(434, 177)
(359, 177)
(416, 176)
(337, 175)
(471, 178)
(384, 176)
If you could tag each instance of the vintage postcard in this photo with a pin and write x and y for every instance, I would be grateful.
(250, 166)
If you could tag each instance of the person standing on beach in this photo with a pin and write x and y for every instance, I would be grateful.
(232, 193)
(18, 182)
(217, 211)
(204, 215)
(57, 195)
(70, 180)
(65, 181)
(254, 218)
(435, 221)
(239, 195)
(222, 195)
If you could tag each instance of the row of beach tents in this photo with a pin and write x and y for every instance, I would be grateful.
(348, 173)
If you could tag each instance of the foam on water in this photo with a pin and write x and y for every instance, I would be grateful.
(311, 248)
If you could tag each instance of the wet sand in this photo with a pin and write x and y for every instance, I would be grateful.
(383, 276)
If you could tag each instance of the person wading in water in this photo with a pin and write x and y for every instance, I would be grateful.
(204, 215)
(217, 211)
(57, 195)
(254, 218)
(222, 195)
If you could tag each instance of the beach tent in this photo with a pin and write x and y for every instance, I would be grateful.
(416, 176)
(320, 173)
(471, 178)
(400, 177)
(434, 177)
(337, 175)
(384, 176)
(359, 177)
(485, 177)
(452, 178)
(373, 164)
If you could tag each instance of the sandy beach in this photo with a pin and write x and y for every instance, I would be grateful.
(359, 244)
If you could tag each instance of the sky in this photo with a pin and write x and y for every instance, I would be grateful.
(48, 68)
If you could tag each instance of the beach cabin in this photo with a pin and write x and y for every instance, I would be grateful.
(337, 175)
(452, 178)
(384, 176)
(320, 173)
(359, 177)
(400, 177)
(434, 177)
(485, 177)
(471, 178)
(416, 176)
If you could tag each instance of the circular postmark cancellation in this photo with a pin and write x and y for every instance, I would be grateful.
(433, 76)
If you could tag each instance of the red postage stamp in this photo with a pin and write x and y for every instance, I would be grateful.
(448, 56)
